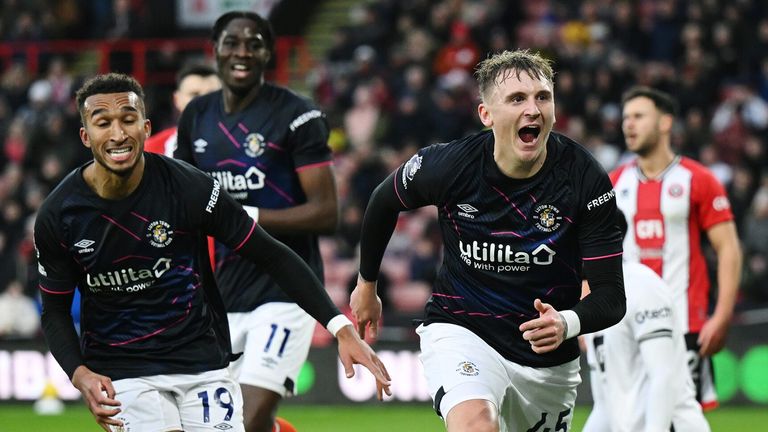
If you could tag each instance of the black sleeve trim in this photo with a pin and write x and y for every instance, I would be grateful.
(59, 330)
(378, 224)
(291, 273)
(606, 304)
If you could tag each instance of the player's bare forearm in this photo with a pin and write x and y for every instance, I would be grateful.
(366, 307)
(318, 215)
(729, 261)
(725, 241)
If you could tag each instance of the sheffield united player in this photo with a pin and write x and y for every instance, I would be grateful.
(128, 229)
(268, 148)
(521, 211)
(191, 81)
(669, 200)
(638, 368)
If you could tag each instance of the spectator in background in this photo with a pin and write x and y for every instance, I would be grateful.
(19, 318)
(669, 201)
(755, 240)
(192, 81)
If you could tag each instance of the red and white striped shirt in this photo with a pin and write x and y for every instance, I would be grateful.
(665, 219)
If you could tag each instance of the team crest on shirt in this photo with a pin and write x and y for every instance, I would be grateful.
(254, 145)
(467, 368)
(159, 234)
(547, 217)
(410, 169)
(675, 191)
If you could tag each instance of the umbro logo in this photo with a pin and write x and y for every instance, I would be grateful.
(84, 243)
(200, 145)
(466, 209)
(84, 246)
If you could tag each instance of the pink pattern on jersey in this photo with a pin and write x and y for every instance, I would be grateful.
(42, 288)
(447, 296)
(313, 165)
(230, 162)
(229, 135)
(506, 198)
(394, 179)
(123, 258)
(242, 127)
(448, 212)
(114, 222)
(253, 227)
(602, 257)
(156, 332)
(501, 233)
(140, 216)
(280, 192)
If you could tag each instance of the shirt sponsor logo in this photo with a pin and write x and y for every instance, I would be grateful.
(466, 209)
(200, 145)
(547, 218)
(652, 314)
(499, 257)
(214, 196)
(160, 234)
(649, 229)
(467, 368)
(127, 280)
(721, 203)
(411, 167)
(602, 199)
(307, 116)
(84, 246)
(238, 185)
(254, 145)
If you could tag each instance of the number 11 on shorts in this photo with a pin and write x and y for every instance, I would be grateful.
(286, 333)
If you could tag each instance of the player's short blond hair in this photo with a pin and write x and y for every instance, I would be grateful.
(495, 69)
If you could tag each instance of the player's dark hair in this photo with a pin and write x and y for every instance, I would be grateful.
(263, 26)
(108, 83)
(663, 101)
(621, 222)
(200, 69)
(499, 66)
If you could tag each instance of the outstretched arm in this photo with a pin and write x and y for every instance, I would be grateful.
(295, 277)
(378, 224)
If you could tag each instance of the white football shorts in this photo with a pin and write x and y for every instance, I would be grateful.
(274, 339)
(460, 366)
(201, 402)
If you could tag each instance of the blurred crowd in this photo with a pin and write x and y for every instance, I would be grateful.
(398, 77)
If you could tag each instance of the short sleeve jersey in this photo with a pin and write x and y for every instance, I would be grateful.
(149, 302)
(256, 155)
(509, 241)
(614, 353)
(665, 219)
